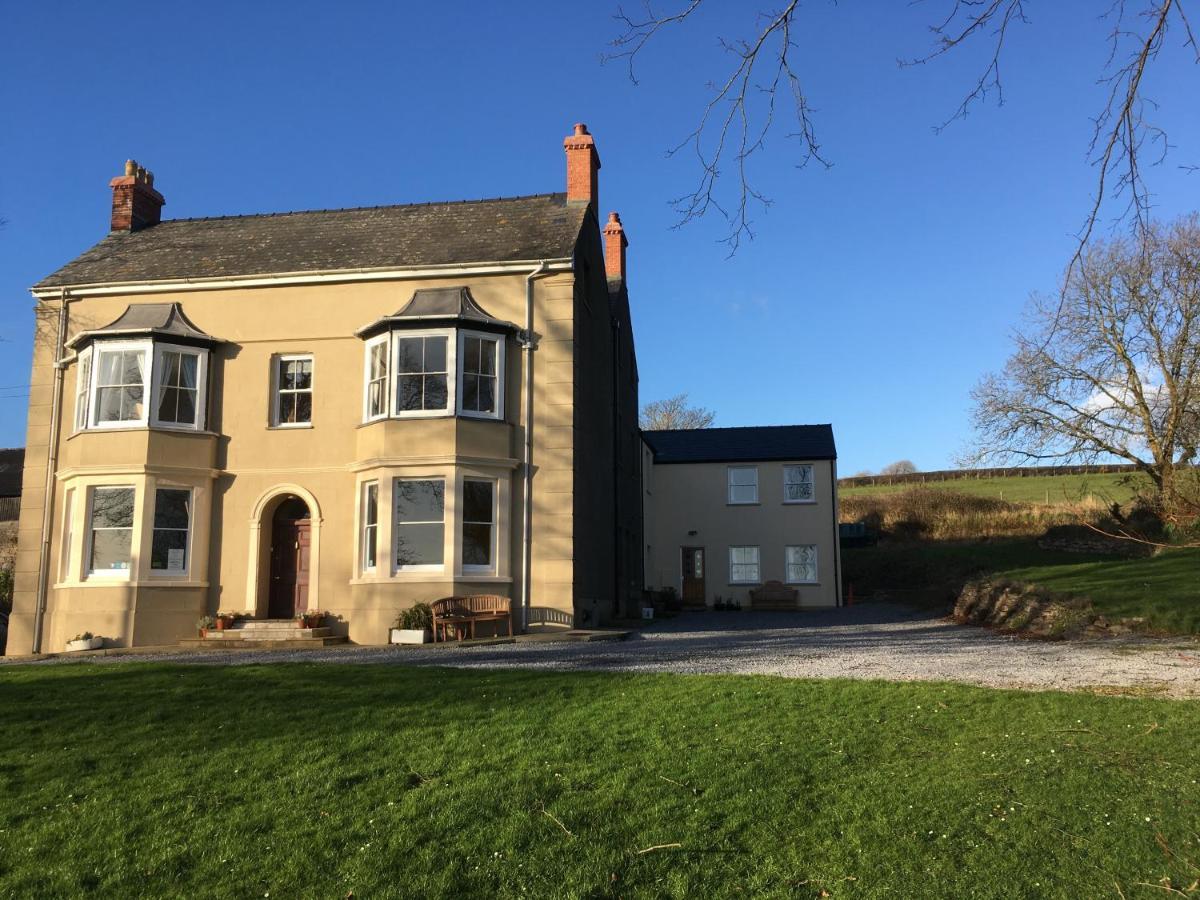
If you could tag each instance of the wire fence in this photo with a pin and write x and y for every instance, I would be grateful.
(10, 509)
(964, 474)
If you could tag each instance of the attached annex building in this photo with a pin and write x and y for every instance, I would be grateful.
(352, 410)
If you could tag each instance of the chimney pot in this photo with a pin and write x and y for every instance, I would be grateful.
(580, 128)
(135, 202)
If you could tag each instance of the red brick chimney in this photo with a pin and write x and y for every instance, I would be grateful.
(136, 204)
(583, 162)
(614, 249)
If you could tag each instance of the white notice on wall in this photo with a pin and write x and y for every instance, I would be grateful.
(175, 560)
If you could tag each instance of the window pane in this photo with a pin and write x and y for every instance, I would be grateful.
(471, 354)
(408, 397)
(410, 355)
(168, 551)
(487, 394)
(744, 493)
(109, 368)
(111, 549)
(112, 507)
(378, 360)
(287, 407)
(133, 361)
(420, 545)
(304, 407)
(435, 354)
(187, 408)
(108, 404)
(487, 357)
(172, 508)
(477, 501)
(375, 398)
(370, 526)
(420, 501)
(800, 491)
(477, 545)
(435, 392)
(471, 392)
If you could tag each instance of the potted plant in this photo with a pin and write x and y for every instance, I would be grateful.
(225, 620)
(85, 641)
(205, 623)
(414, 625)
(310, 618)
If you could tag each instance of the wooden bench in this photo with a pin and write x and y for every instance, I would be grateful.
(462, 613)
(774, 595)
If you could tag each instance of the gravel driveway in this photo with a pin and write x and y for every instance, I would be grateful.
(869, 641)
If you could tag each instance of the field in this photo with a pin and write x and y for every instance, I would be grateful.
(378, 781)
(1039, 489)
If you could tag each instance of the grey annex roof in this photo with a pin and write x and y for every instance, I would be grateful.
(449, 304)
(12, 462)
(161, 320)
(514, 229)
(754, 444)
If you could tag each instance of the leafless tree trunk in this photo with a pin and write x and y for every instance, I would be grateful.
(764, 76)
(1110, 369)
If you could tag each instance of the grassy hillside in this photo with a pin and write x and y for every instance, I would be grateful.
(1041, 489)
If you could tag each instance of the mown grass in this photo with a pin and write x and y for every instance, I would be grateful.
(336, 781)
(1163, 589)
(1042, 489)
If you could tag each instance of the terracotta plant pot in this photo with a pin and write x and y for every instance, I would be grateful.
(222, 624)
(203, 632)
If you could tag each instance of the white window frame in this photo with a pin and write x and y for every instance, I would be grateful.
(83, 388)
(451, 374)
(101, 348)
(68, 536)
(787, 565)
(757, 564)
(812, 482)
(201, 385)
(277, 389)
(419, 567)
(460, 374)
(494, 524)
(89, 529)
(187, 552)
(729, 485)
(368, 531)
(383, 340)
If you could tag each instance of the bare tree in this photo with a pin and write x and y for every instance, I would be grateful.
(900, 467)
(1110, 369)
(763, 75)
(674, 413)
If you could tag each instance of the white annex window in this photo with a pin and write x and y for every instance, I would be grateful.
(743, 565)
(64, 549)
(481, 360)
(293, 387)
(798, 484)
(375, 376)
(479, 525)
(110, 530)
(83, 384)
(743, 484)
(179, 386)
(370, 526)
(419, 541)
(802, 564)
(172, 531)
(120, 377)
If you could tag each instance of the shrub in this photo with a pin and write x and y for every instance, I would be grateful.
(6, 589)
(416, 617)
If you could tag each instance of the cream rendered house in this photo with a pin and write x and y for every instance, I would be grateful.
(352, 410)
(731, 509)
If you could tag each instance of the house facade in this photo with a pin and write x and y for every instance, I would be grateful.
(346, 410)
(731, 510)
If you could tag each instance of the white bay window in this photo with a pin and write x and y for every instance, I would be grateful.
(134, 384)
(110, 531)
(479, 525)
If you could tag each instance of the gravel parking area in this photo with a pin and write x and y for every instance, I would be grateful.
(870, 641)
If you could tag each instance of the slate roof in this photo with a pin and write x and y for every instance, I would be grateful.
(435, 305)
(762, 443)
(165, 320)
(12, 462)
(542, 226)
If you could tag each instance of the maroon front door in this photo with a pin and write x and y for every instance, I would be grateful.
(290, 550)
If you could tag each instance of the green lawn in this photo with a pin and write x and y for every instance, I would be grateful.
(1034, 489)
(1163, 589)
(337, 781)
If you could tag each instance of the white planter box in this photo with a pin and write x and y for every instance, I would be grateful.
(90, 644)
(647, 612)
(410, 636)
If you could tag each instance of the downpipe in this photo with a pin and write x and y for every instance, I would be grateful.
(528, 347)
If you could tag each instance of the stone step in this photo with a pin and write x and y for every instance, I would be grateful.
(248, 644)
(269, 634)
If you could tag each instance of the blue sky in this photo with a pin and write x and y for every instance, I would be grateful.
(874, 296)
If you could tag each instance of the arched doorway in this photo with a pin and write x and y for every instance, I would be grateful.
(290, 559)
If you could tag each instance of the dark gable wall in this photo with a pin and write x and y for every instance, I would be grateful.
(607, 512)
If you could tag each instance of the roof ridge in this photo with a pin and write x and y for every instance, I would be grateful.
(338, 209)
(737, 427)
